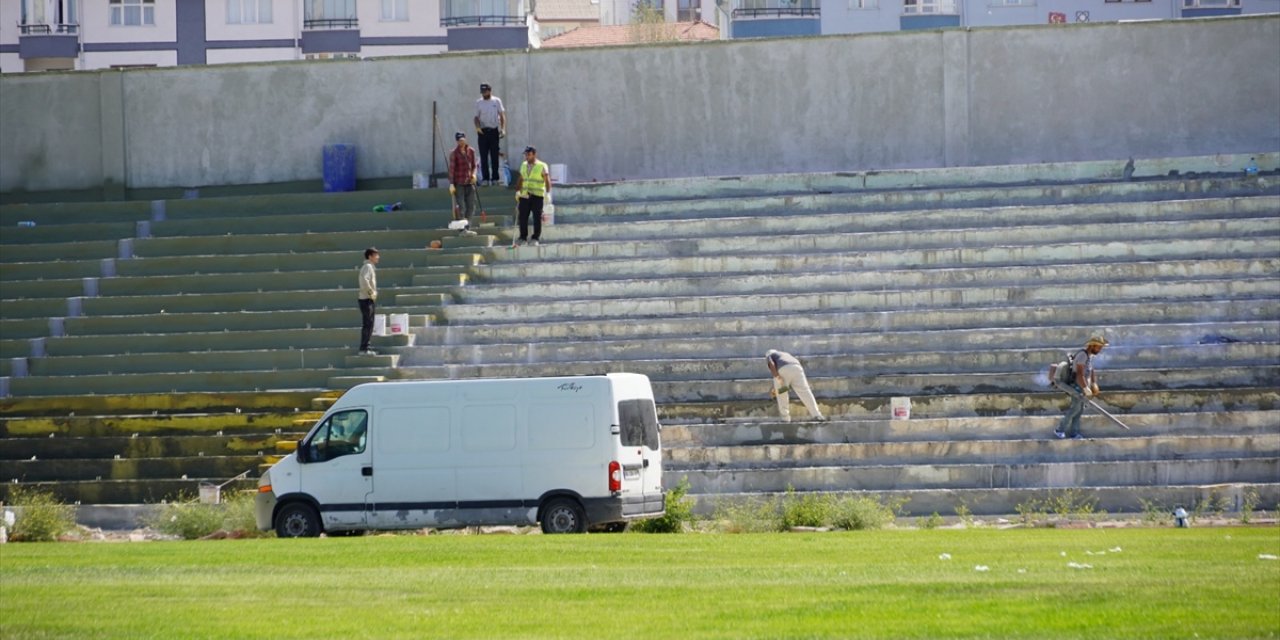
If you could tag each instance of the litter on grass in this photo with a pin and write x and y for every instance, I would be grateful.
(1267, 556)
(981, 567)
(1077, 565)
(945, 556)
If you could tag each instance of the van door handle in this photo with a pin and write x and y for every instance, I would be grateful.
(366, 471)
(646, 463)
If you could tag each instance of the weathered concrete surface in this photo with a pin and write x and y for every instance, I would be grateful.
(646, 114)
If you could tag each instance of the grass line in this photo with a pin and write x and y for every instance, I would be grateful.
(1161, 583)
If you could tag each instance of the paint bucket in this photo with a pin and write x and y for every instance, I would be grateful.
(398, 324)
(210, 493)
(380, 324)
(421, 180)
(900, 408)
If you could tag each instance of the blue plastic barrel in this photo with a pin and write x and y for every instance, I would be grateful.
(339, 167)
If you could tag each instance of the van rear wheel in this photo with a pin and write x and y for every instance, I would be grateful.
(297, 520)
(563, 515)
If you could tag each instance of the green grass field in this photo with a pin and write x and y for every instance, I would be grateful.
(1143, 583)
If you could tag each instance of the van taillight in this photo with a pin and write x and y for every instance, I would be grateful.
(615, 476)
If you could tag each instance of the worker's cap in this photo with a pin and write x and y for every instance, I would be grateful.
(1098, 340)
(459, 135)
(770, 352)
(530, 150)
(485, 87)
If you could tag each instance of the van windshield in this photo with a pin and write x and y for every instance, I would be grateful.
(639, 422)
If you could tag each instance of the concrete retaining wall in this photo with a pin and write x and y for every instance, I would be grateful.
(899, 100)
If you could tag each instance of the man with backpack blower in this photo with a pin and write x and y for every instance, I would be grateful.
(1077, 377)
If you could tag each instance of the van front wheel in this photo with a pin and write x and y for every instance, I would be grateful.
(563, 515)
(297, 521)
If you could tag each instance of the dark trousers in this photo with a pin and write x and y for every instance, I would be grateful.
(530, 207)
(489, 142)
(367, 307)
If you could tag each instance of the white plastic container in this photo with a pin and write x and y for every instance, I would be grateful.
(380, 324)
(900, 408)
(421, 180)
(210, 493)
(559, 173)
(398, 324)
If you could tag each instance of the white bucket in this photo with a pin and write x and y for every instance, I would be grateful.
(380, 324)
(559, 173)
(399, 324)
(901, 408)
(210, 493)
(421, 180)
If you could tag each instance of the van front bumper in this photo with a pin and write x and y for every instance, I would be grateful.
(600, 510)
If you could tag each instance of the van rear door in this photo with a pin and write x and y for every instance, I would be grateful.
(641, 454)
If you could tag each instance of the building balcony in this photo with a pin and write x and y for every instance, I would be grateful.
(37, 40)
(330, 35)
(489, 24)
(771, 19)
(929, 14)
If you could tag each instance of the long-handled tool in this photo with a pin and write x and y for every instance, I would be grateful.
(445, 155)
(1075, 394)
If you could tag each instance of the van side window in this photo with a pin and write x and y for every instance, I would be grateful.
(342, 434)
(639, 420)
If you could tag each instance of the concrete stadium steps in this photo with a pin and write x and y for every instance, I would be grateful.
(132, 491)
(986, 475)
(862, 280)
(693, 440)
(727, 414)
(425, 261)
(1130, 320)
(1041, 448)
(320, 223)
(1169, 292)
(693, 380)
(351, 241)
(346, 315)
(228, 283)
(225, 466)
(65, 428)
(1005, 502)
(241, 444)
(1260, 340)
(796, 254)
(117, 344)
(291, 401)
(175, 382)
(579, 204)
(934, 229)
(241, 301)
(205, 361)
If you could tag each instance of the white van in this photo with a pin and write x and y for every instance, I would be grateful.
(570, 453)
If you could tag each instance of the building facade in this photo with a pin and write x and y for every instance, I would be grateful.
(43, 35)
(40, 35)
(773, 18)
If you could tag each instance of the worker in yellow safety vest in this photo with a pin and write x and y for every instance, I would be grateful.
(532, 191)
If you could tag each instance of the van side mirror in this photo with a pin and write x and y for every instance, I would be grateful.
(302, 452)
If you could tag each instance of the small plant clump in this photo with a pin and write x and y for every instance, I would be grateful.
(679, 512)
(41, 516)
(190, 519)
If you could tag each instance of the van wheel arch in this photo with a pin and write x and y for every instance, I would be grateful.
(563, 514)
(297, 517)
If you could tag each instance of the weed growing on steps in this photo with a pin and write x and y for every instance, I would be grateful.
(189, 519)
(932, 522)
(42, 517)
(679, 512)
(1249, 501)
(964, 513)
(794, 509)
(808, 510)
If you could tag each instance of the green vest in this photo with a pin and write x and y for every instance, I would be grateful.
(531, 180)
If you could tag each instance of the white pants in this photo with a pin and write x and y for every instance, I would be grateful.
(793, 376)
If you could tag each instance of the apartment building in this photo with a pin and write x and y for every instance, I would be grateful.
(773, 18)
(40, 35)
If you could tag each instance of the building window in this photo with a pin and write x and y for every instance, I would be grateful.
(395, 10)
(249, 11)
(864, 4)
(1011, 3)
(928, 6)
(329, 14)
(1210, 4)
(133, 13)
